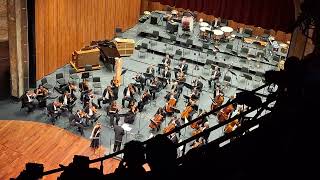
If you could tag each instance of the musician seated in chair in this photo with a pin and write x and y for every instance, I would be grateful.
(169, 105)
(141, 82)
(27, 100)
(131, 115)
(115, 89)
(150, 73)
(144, 100)
(91, 114)
(70, 88)
(158, 118)
(183, 66)
(88, 99)
(83, 88)
(166, 61)
(166, 74)
(54, 110)
(197, 84)
(112, 112)
(154, 87)
(78, 120)
(107, 96)
(68, 101)
(128, 94)
(41, 95)
(194, 96)
(215, 76)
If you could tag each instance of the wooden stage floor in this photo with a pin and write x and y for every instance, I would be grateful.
(27, 141)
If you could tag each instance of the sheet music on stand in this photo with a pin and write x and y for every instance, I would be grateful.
(126, 127)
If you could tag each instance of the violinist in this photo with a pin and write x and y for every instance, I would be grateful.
(115, 89)
(27, 100)
(215, 76)
(166, 74)
(154, 87)
(166, 61)
(169, 105)
(107, 96)
(182, 67)
(91, 113)
(88, 99)
(150, 70)
(128, 94)
(41, 95)
(157, 119)
(78, 120)
(197, 84)
(194, 96)
(144, 100)
(113, 112)
(68, 101)
(141, 81)
(70, 88)
(54, 110)
(180, 82)
(84, 88)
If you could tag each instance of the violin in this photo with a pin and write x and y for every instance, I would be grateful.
(82, 114)
(94, 110)
(224, 114)
(218, 100)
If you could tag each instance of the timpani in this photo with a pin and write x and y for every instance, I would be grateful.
(203, 24)
(227, 30)
(217, 34)
(147, 13)
(204, 32)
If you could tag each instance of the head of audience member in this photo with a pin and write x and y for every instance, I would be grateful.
(134, 154)
(160, 159)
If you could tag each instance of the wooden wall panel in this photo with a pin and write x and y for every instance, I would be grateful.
(64, 26)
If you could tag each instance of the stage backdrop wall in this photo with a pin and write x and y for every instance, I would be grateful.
(152, 5)
(64, 26)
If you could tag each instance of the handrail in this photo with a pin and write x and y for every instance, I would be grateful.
(101, 159)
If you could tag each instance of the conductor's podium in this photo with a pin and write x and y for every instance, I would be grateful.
(85, 57)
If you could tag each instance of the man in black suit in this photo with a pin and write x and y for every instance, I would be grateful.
(128, 94)
(183, 66)
(92, 114)
(173, 137)
(141, 82)
(54, 110)
(70, 88)
(166, 61)
(166, 74)
(27, 100)
(107, 96)
(130, 117)
(198, 84)
(118, 135)
(215, 76)
(78, 121)
(68, 101)
(115, 89)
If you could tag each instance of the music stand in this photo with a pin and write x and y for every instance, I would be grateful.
(138, 135)
(126, 129)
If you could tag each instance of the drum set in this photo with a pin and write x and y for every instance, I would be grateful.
(207, 33)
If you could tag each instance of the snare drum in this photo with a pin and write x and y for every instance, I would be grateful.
(217, 34)
(227, 30)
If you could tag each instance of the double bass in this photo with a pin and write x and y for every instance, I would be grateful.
(224, 114)
(218, 100)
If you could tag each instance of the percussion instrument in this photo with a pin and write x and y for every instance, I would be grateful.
(147, 13)
(227, 30)
(217, 34)
(174, 12)
(204, 32)
(187, 23)
(203, 24)
(275, 46)
(284, 48)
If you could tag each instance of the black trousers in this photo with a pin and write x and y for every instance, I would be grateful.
(126, 99)
(104, 101)
(31, 106)
(117, 146)
(112, 117)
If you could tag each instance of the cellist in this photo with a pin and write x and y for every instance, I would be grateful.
(217, 102)
(189, 110)
(224, 114)
(169, 105)
(157, 119)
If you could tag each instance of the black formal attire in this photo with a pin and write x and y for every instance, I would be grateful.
(95, 139)
(106, 98)
(129, 117)
(42, 99)
(141, 83)
(165, 62)
(69, 89)
(198, 84)
(118, 135)
(184, 69)
(92, 117)
(127, 96)
(113, 114)
(214, 77)
(28, 102)
(154, 87)
(167, 75)
(83, 89)
(143, 102)
(77, 120)
(54, 112)
(70, 101)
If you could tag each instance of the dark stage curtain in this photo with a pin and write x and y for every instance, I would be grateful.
(268, 14)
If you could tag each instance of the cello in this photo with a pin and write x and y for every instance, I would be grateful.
(224, 114)
(196, 124)
(186, 112)
(171, 103)
(218, 100)
(156, 121)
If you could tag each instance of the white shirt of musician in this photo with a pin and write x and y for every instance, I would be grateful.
(54, 108)
(29, 98)
(90, 112)
(65, 100)
(214, 74)
(182, 65)
(107, 95)
(128, 93)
